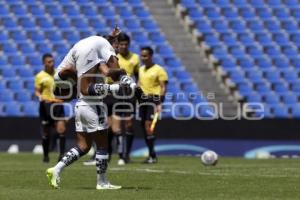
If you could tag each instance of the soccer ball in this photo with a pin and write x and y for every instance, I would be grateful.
(209, 158)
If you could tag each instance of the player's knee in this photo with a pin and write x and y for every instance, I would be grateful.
(60, 127)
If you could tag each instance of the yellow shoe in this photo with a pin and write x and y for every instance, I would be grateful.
(53, 178)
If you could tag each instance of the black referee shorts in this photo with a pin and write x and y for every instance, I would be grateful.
(147, 107)
(46, 117)
(115, 106)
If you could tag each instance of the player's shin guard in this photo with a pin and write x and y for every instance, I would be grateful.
(101, 165)
(150, 140)
(71, 156)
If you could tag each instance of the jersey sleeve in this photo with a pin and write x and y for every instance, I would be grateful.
(37, 82)
(162, 75)
(107, 51)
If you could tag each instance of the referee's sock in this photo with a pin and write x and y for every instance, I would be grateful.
(62, 144)
(120, 143)
(129, 141)
(110, 141)
(150, 140)
(45, 144)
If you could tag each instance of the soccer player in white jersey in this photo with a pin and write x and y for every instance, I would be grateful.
(90, 57)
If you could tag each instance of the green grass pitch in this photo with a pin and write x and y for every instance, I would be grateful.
(22, 176)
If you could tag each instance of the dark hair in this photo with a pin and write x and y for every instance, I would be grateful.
(46, 55)
(109, 38)
(149, 49)
(123, 37)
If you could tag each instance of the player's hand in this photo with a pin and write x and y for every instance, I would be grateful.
(125, 90)
(116, 31)
(126, 80)
(53, 100)
(158, 108)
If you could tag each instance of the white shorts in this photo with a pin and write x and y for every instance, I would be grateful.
(90, 118)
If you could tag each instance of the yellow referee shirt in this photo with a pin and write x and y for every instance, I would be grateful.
(130, 63)
(45, 83)
(150, 79)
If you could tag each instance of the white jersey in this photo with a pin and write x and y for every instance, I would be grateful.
(87, 53)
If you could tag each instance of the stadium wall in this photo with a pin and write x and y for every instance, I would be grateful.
(14, 128)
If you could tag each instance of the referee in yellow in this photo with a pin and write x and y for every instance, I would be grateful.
(44, 90)
(130, 62)
(153, 80)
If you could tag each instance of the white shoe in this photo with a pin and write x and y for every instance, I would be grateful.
(121, 162)
(107, 186)
(89, 163)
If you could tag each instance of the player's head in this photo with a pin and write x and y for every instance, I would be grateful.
(113, 41)
(124, 42)
(48, 62)
(146, 55)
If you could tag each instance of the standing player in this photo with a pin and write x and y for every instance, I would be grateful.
(44, 88)
(152, 80)
(128, 61)
(90, 57)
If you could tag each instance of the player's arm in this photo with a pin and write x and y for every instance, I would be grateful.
(38, 93)
(66, 73)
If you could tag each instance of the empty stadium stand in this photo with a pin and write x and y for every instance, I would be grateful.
(30, 28)
(253, 45)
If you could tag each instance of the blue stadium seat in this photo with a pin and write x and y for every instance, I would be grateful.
(26, 48)
(53, 10)
(254, 97)
(18, 10)
(281, 39)
(79, 23)
(71, 11)
(25, 72)
(36, 10)
(295, 111)
(289, 98)
(70, 36)
(271, 98)
(29, 84)
(15, 84)
(8, 73)
(35, 36)
(6, 96)
(12, 109)
(31, 109)
(263, 88)
(280, 88)
(23, 96)
(27, 23)
(280, 111)
(53, 36)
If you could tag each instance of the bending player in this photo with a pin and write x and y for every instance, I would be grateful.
(152, 80)
(90, 57)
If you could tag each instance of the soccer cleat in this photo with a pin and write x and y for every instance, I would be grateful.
(107, 186)
(150, 160)
(90, 162)
(53, 178)
(121, 162)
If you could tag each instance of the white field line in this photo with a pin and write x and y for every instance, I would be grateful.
(203, 173)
